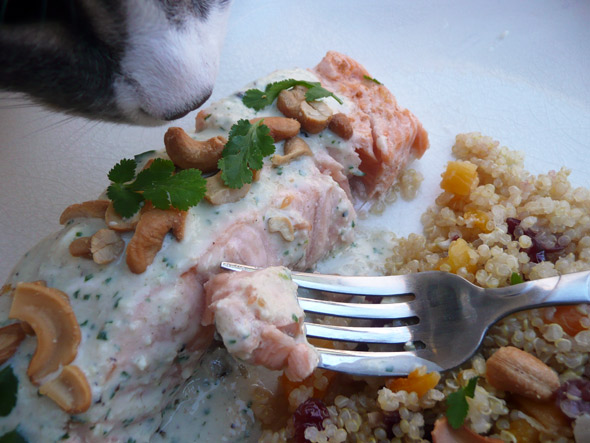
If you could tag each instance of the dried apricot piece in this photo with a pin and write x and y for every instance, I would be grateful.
(523, 431)
(569, 318)
(477, 219)
(417, 381)
(460, 178)
(461, 255)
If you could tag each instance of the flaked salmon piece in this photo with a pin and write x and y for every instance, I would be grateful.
(314, 206)
(260, 321)
(385, 136)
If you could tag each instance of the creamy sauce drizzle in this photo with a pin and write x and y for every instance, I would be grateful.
(209, 406)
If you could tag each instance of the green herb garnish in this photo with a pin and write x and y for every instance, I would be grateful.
(516, 278)
(457, 406)
(247, 145)
(257, 99)
(8, 388)
(12, 437)
(374, 80)
(157, 184)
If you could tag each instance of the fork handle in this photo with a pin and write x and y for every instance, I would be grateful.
(563, 289)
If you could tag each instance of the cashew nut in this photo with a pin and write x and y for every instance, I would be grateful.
(286, 201)
(105, 246)
(117, 223)
(218, 193)
(89, 209)
(341, 126)
(186, 152)
(49, 313)
(281, 128)
(70, 390)
(314, 116)
(10, 338)
(283, 226)
(289, 101)
(149, 235)
(80, 247)
(294, 147)
(516, 371)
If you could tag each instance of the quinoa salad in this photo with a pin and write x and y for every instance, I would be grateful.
(494, 224)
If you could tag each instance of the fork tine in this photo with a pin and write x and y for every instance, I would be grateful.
(377, 363)
(359, 285)
(395, 334)
(358, 310)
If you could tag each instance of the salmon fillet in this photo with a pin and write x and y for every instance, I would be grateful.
(143, 334)
(260, 321)
(386, 136)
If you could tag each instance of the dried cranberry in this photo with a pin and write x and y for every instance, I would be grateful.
(311, 412)
(512, 224)
(573, 397)
(540, 245)
(390, 420)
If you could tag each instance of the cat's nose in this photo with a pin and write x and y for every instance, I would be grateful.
(175, 115)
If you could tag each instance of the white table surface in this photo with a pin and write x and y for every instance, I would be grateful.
(517, 71)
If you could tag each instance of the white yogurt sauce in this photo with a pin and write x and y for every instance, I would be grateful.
(208, 406)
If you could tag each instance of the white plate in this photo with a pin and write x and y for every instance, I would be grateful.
(518, 71)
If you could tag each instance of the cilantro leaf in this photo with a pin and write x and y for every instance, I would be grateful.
(457, 406)
(123, 171)
(257, 99)
(12, 437)
(247, 145)
(158, 171)
(157, 184)
(374, 80)
(516, 278)
(8, 388)
(316, 92)
(180, 191)
(125, 201)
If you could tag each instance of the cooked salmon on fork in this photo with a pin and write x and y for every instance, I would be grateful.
(453, 316)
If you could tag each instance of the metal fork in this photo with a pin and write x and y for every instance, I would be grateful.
(452, 315)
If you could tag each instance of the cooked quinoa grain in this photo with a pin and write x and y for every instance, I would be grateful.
(494, 224)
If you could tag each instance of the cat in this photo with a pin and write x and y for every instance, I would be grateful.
(133, 61)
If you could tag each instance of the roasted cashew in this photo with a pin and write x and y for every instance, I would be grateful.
(289, 101)
(117, 223)
(89, 209)
(283, 226)
(10, 338)
(281, 128)
(314, 116)
(105, 246)
(341, 126)
(80, 247)
(294, 147)
(149, 235)
(70, 390)
(513, 370)
(49, 313)
(218, 193)
(186, 152)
